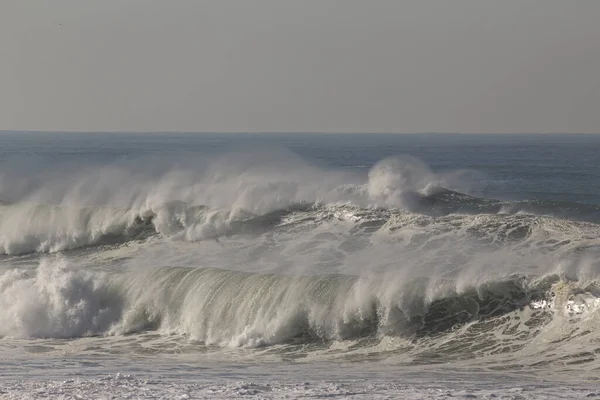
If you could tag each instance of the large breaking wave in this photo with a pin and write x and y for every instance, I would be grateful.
(434, 316)
(112, 205)
(303, 256)
(54, 228)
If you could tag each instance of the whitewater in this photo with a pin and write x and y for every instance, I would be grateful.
(299, 265)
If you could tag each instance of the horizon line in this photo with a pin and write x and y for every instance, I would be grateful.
(291, 132)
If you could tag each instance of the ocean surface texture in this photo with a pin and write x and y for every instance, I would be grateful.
(190, 266)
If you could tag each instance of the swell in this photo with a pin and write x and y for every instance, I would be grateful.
(443, 202)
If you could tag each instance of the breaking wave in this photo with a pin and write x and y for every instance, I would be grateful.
(234, 308)
(304, 256)
(28, 228)
(116, 204)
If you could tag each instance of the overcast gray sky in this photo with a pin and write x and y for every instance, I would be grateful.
(303, 65)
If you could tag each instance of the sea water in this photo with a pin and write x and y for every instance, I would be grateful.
(417, 266)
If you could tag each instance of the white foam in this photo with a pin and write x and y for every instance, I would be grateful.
(428, 386)
(55, 301)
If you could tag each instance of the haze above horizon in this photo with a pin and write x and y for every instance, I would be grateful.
(465, 66)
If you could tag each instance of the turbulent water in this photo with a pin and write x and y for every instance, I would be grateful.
(301, 265)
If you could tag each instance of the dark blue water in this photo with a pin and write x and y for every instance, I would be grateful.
(561, 168)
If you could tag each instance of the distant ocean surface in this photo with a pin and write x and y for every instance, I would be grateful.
(419, 266)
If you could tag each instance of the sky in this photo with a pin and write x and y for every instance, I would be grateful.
(400, 66)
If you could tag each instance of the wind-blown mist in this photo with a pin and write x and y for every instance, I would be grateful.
(67, 209)
(262, 249)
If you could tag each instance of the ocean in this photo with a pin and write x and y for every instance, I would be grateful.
(361, 266)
